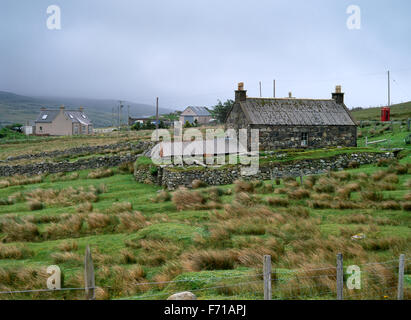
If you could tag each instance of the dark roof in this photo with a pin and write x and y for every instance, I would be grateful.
(48, 116)
(292, 111)
(200, 111)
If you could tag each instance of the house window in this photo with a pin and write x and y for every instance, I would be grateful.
(304, 139)
(83, 129)
(75, 129)
(41, 128)
(44, 117)
(90, 129)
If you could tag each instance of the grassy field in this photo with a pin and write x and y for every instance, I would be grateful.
(209, 240)
(398, 112)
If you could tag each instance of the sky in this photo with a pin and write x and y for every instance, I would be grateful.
(194, 52)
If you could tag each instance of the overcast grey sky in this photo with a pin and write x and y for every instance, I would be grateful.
(193, 52)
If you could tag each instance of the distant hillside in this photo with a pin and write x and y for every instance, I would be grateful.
(398, 111)
(16, 108)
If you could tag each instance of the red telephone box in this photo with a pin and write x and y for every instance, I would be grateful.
(385, 114)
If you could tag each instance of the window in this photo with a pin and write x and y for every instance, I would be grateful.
(83, 116)
(83, 129)
(44, 117)
(71, 116)
(76, 128)
(304, 139)
(41, 128)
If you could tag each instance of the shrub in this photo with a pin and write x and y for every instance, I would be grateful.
(401, 169)
(353, 164)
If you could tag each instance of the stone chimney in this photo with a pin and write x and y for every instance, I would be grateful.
(290, 94)
(338, 96)
(240, 93)
(42, 109)
(81, 109)
(62, 107)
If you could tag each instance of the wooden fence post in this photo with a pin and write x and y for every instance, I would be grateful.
(340, 277)
(366, 141)
(267, 277)
(409, 124)
(400, 293)
(301, 177)
(89, 280)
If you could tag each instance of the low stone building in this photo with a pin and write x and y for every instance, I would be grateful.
(191, 114)
(63, 122)
(290, 123)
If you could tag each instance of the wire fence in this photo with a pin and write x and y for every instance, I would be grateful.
(373, 280)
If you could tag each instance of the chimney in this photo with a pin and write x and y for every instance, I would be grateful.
(42, 109)
(62, 107)
(81, 109)
(338, 96)
(290, 94)
(240, 93)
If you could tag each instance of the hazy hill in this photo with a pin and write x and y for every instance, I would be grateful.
(17, 108)
(398, 111)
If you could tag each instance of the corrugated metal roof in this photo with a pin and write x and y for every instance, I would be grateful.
(295, 112)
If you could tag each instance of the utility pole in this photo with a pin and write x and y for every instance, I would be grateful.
(128, 117)
(157, 119)
(120, 106)
(273, 88)
(389, 90)
(260, 89)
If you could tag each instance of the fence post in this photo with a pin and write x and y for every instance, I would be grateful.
(89, 280)
(408, 124)
(400, 293)
(340, 277)
(267, 277)
(366, 141)
(301, 177)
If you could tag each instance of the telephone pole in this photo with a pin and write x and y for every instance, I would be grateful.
(273, 88)
(389, 89)
(128, 117)
(157, 119)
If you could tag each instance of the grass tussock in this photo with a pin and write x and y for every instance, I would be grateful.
(100, 173)
(209, 260)
(15, 252)
(243, 186)
(162, 196)
(68, 246)
(278, 202)
(196, 184)
(184, 199)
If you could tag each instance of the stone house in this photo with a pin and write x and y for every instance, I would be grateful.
(63, 122)
(191, 114)
(290, 123)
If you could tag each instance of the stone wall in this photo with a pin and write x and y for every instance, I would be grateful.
(141, 145)
(55, 167)
(171, 178)
(289, 137)
(82, 164)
